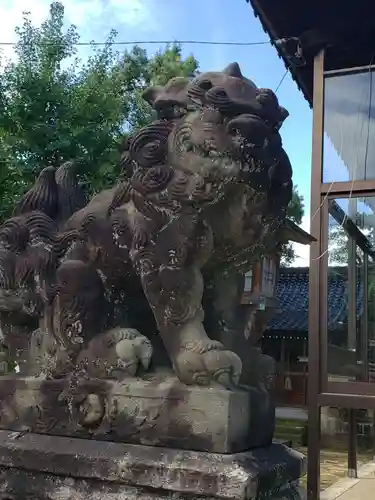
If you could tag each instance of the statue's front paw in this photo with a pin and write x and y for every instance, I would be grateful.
(203, 362)
(133, 350)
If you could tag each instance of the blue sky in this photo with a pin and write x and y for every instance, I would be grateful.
(213, 20)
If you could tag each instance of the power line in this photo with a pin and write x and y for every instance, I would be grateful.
(281, 81)
(170, 42)
(154, 42)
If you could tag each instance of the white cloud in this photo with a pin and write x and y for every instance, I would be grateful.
(302, 251)
(11, 16)
(93, 18)
(107, 14)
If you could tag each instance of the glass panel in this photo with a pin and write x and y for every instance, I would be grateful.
(349, 129)
(351, 290)
(335, 428)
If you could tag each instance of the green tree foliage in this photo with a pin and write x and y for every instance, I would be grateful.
(295, 212)
(54, 107)
(339, 240)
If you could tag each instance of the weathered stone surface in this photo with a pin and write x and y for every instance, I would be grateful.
(158, 410)
(84, 288)
(40, 466)
(22, 485)
(202, 196)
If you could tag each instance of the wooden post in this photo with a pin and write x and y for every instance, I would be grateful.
(313, 463)
(352, 443)
(352, 344)
(353, 341)
(305, 372)
(364, 343)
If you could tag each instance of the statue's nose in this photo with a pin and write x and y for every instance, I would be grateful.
(283, 113)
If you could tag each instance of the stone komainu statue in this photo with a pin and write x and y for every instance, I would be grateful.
(203, 192)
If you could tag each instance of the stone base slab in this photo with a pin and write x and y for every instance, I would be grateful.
(156, 411)
(41, 466)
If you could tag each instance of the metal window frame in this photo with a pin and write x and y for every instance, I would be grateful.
(321, 392)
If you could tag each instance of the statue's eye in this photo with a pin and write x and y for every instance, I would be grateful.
(205, 84)
(202, 83)
(266, 96)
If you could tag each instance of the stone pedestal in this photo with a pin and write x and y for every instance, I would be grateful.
(52, 467)
(157, 410)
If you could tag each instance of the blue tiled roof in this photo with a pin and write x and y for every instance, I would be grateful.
(293, 296)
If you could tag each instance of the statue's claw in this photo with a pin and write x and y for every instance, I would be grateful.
(133, 349)
(204, 362)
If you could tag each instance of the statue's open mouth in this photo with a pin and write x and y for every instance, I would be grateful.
(255, 133)
(258, 145)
